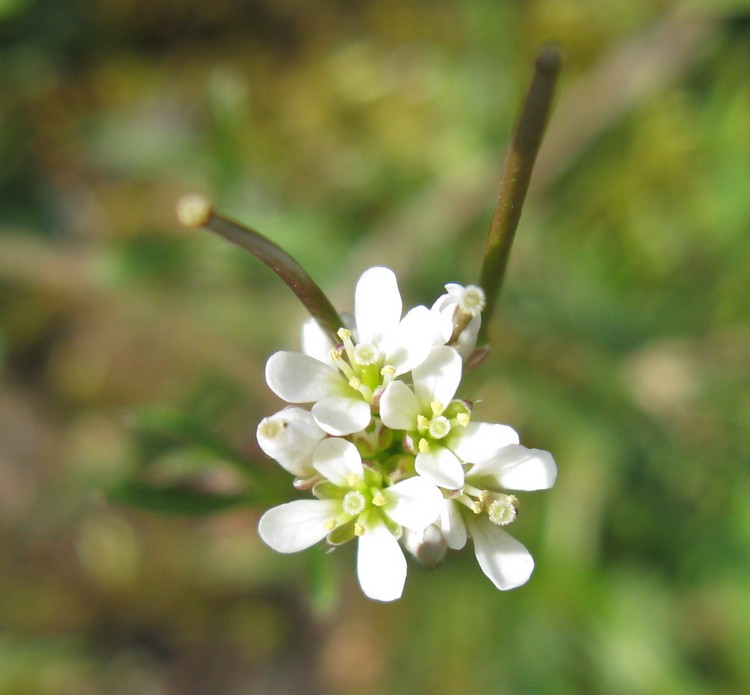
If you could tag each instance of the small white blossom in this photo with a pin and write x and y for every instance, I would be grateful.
(484, 507)
(353, 502)
(431, 478)
(439, 427)
(382, 346)
(290, 436)
(460, 311)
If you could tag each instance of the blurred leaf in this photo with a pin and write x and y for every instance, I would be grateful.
(10, 7)
(324, 581)
(176, 499)
(171, 428)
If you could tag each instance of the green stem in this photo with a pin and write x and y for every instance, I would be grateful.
(519, 164)
(196, 211)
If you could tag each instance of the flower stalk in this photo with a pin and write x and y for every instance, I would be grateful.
(384, 444)
(514, 184)
(197, 211)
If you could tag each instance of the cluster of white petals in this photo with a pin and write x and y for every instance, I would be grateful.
(391, 455)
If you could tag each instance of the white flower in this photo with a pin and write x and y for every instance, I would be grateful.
(387, 392)
(460, 311)
(353, 502)
(343, 382)
(290, 436)
(484, 508)
(438, 426)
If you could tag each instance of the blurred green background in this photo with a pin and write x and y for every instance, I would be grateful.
(356, 134)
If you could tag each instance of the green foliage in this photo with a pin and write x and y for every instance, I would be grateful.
(354, 135)
(172, 499)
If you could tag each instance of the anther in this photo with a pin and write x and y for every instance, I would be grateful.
(424, 446)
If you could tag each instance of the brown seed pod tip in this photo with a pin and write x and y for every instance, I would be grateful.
(194, 210)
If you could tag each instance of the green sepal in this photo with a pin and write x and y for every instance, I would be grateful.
(342, 534)
(457, 407)
(326, 490)
(392, 526)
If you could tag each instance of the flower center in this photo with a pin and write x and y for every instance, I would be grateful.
(439, 427)
(473, 300)
(353, 503)
(359, 364)
(502, 510)
(366, 354)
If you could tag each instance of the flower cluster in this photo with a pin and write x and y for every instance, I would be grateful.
(391, 455)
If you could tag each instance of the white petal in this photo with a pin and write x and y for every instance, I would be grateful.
(467, 340)
(297, 525)
(427, 546)
(479, 441)
(440, 467)
(516, 468)
(452, 525)
(411, 342)
(377, 305)
(290, 436)
(414, 503)
(381, 566)
(399, 407)
(502, 558)
(299, 378)
(443, 310)
(338, 459)
(342, 415)
(437, 378)
(316, 342)
(444, 303)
